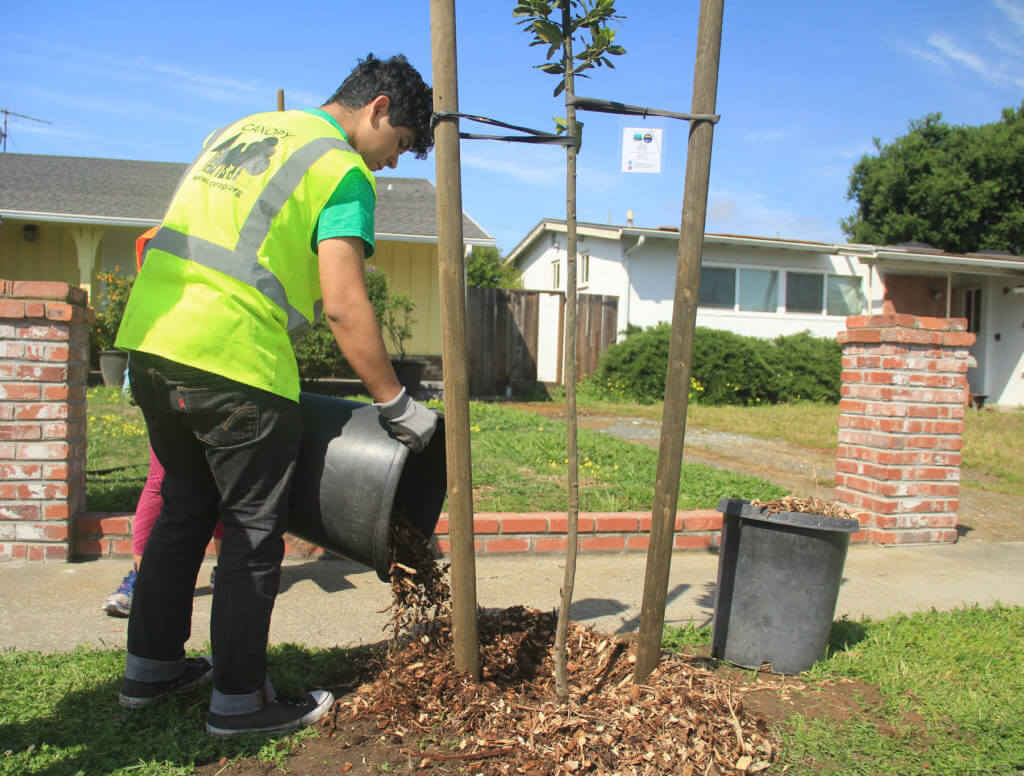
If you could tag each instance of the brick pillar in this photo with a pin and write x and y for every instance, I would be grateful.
(44, 339)
(904, 390)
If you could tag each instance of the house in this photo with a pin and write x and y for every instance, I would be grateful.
(66, 218)
(768, 287)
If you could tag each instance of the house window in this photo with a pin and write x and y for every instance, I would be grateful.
(717, 287)
(556, 274)
(759, 290)
(844, 296)
(583, 269)
(804, 292)
(972, 309)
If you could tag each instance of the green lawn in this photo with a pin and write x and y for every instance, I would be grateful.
(951, 686)
(518, 464)
(518, 461)
(59, 715)
(952, 697)
(993, 440)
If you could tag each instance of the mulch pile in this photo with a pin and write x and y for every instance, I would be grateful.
(683, 720)
(807, 506)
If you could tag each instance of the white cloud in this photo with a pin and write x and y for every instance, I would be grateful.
(108, 106)
(995, 55)
(767, 135)
(525, 165)
(1011, 48)
(741, 211)
(1013, 10)
(951, 51)
(926, 56)
(214, 87)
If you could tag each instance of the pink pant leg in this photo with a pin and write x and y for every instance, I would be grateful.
(150, 504)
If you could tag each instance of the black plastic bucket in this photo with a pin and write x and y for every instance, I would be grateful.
(353, 480)
(778, 580)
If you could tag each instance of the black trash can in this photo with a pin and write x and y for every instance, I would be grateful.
(778, 580)
(353, 480)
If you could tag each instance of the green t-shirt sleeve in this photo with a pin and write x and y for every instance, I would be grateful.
(349, 212)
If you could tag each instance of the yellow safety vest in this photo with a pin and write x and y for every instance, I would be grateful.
(230, 280)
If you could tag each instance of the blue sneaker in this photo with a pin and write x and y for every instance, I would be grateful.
(120, 603)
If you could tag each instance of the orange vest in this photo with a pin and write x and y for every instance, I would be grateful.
(140, 245)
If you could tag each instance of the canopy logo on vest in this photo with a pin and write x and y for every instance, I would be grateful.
(230, 159)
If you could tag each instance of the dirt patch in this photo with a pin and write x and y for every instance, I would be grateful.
(984, 516)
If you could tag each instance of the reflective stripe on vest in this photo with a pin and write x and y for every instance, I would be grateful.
(241, 263)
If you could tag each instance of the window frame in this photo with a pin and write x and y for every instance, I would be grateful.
(583, 269)
(782, 307)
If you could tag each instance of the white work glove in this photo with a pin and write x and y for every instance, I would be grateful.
(410, 422)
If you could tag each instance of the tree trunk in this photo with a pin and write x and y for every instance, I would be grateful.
(561, 633)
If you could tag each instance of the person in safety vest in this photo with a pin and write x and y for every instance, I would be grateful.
(119, 603)
(270, 224)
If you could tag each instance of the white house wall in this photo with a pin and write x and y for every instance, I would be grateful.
(643, 279)
(549, 307)
(607, 275)
(653, 271)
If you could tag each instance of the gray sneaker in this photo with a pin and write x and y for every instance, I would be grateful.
(135, 694)
(284, 714)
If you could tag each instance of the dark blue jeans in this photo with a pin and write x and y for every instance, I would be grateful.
(229, 451)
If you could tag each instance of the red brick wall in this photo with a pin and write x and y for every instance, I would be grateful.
(904, 390)
(914, 295)
(43, 368)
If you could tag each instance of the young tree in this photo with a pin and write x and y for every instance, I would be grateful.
(959, 188)
(590, 26)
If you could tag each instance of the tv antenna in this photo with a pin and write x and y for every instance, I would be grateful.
(3, 132)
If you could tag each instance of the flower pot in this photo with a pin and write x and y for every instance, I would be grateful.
(409, 374)
(112, 366)
(353, 479)
(778, 581)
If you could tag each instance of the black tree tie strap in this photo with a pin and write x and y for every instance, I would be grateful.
(532, 136)
(610, 106)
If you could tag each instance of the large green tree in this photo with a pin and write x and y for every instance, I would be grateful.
(959, 188)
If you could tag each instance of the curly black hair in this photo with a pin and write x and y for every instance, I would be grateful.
(412, 101)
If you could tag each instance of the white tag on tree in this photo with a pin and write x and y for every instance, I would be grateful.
(641, 149)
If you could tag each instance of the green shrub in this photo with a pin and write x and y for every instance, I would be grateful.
(633, 368)
(318, 354)
(110, 303)
(810, 367)
(727, 368)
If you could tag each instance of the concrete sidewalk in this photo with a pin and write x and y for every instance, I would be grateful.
(328, 602)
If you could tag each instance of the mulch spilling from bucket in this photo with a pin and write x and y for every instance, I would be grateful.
(682, 720)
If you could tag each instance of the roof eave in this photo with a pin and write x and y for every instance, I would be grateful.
(430, 239)
(77, 218)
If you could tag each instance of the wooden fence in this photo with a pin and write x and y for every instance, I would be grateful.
(507, 335)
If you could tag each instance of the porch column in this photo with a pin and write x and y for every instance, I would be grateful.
(87, 242)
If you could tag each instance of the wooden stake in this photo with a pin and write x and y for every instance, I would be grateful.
(454, 354)
(684, 313)
(572, 447)
(280, 99)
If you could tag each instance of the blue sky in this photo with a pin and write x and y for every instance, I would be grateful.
(803, 89)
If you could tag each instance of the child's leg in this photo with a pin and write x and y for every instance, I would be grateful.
(148, 509)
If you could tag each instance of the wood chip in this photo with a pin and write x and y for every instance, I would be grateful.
(682, 720)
